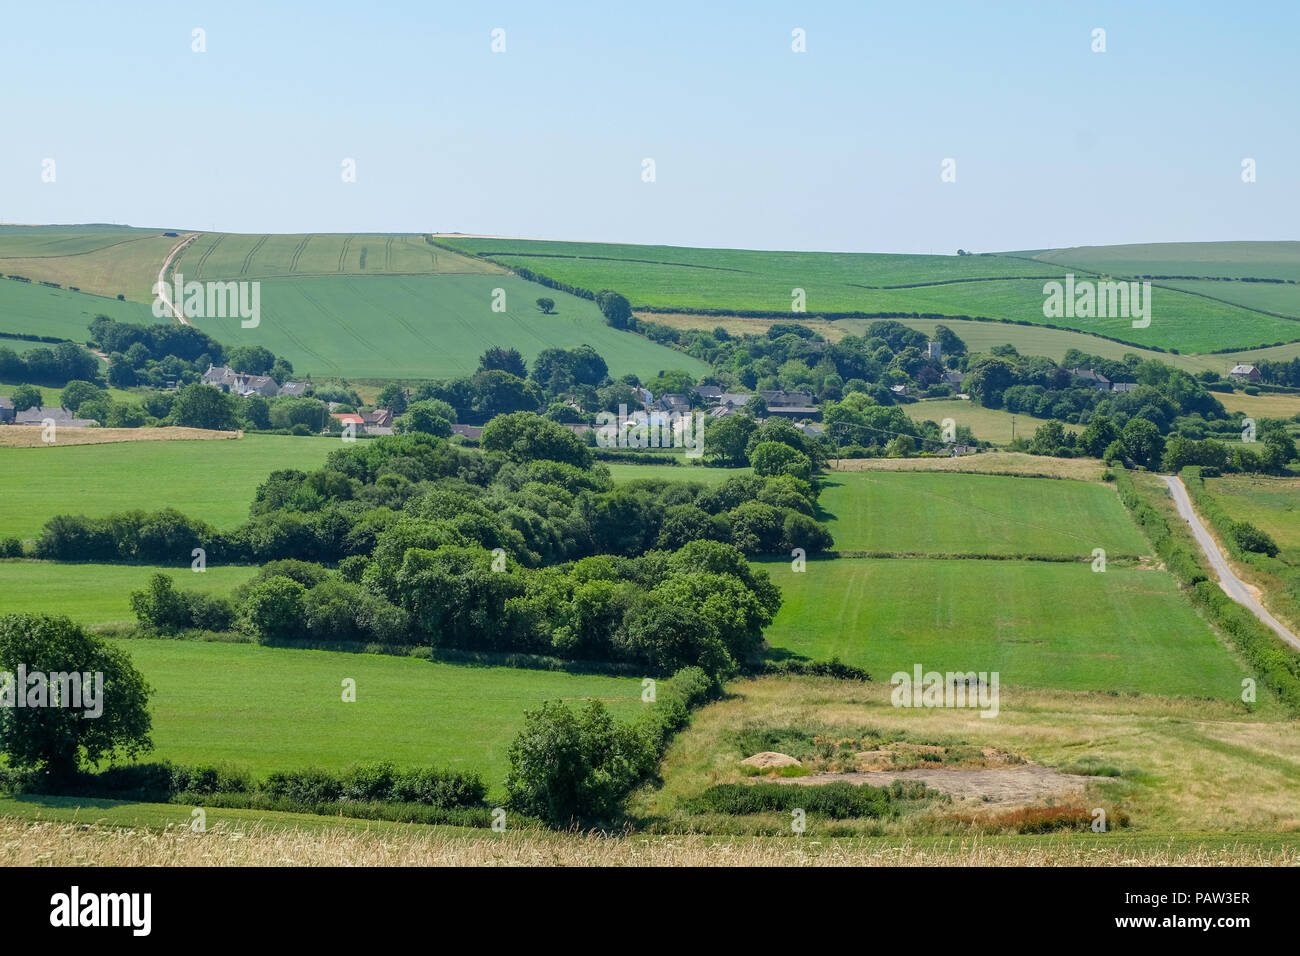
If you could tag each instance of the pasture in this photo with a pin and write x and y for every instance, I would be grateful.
(1038, 624)
(268, 708)
(936, 513)
(711, 476)
(98, 594)
(211, 480)
(1274, 260)
(428, 327)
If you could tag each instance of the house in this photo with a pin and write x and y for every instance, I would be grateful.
(790, 404)
(674, 404)
(1123, 386)
(780, 398)
(294, 389)
(957, 450)
(379, 418)
(811, 429)
(1090, 377)
(644, 396)
(1246, 373)
(349, 418)
(899, 390)
(60, 416)
(238, 383)
(710, 393)
(7, 412)
(952, 378)
(472, 432)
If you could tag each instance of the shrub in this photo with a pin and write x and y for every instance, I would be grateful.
(1250, 538)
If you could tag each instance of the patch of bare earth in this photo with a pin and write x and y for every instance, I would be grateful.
(1003, 786)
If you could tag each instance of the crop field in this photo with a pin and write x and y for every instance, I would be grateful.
(1271, 504)
(988, 424)
(211, 480)
(233, 256)
(108, 262)
(1269, 260)
(936, 513)
(50, 394)
(1038, 624)
(1001, 287)
(251, 705)
(428, 327)
(31, 309)
(95, 594)
(1282, 298)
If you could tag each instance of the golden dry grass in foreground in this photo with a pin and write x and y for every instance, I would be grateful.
(1188, 765)
(70, 844)
(29, 436)
(990, 463)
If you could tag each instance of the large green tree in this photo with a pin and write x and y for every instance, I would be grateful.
(55, 739)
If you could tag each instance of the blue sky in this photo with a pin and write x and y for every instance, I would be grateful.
(755, 146)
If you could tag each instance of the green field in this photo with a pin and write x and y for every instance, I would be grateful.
(1269, 260)
(103, 260)
(988, 424)
(276, 709)
(1283, 299)
(51, 396)
(94, 594)
(428, 327)
(234, 256)
(711, 476)
(992, 286)
(31, 309)
(1038, 624)
(211, 480)
(1271, 504)
(937, 513)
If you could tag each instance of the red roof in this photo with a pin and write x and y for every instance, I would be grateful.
(348, 418)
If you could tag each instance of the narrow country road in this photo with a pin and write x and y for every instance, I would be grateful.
(1232, 585)
(164, 292)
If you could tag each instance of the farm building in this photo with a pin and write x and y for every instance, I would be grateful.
(61, 417)
(1091, 377)
(6, 410)
(1244, 373)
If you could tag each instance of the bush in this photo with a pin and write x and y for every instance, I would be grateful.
(1250, 538)
(839, 801)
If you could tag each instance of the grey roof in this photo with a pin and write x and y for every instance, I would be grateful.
(60, 416)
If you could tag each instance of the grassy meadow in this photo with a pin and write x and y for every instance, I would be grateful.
(211, 480)
(1271, 504)
(267, 708)
(98, 594)
(936, 513)
(1038, 624)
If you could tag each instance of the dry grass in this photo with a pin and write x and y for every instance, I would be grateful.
(1264, 405)
(29, 436)
(991, 463)
(1188, 765)
(70, 844)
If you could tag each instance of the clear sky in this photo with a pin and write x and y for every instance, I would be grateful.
(755, 146)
